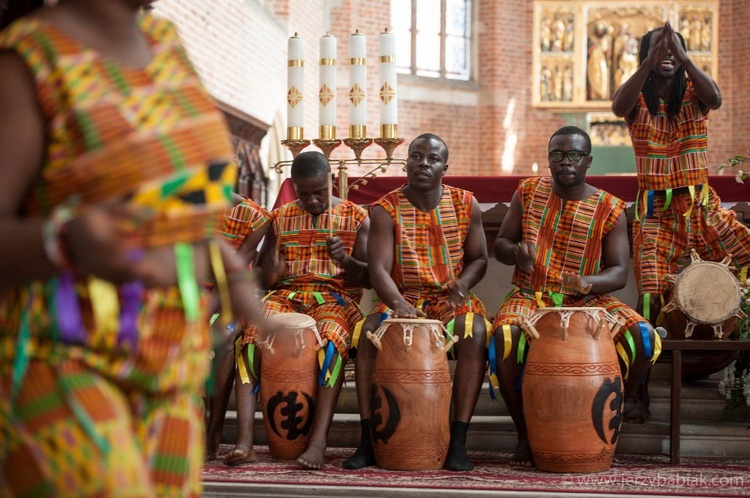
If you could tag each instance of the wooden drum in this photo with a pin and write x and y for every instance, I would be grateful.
(572, 389)
(288, 386)
(411, 393)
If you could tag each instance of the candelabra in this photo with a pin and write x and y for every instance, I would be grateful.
(357, 142)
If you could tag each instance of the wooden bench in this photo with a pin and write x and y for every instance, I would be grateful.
(677, 346)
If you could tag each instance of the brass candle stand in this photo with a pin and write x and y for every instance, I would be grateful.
(357, 145)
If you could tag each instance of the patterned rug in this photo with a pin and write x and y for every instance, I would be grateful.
(630, 474)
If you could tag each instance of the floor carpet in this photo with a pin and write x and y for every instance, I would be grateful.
(630, 475)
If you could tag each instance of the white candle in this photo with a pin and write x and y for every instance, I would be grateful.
(357, 85)
(388, 84)
(327, 90)
(295, 88)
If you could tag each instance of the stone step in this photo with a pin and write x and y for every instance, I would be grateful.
(701, 400)
(724, 438)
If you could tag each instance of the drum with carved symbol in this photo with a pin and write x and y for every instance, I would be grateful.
(288, 383)
(411, 393)
(572, 389)
(703, 303)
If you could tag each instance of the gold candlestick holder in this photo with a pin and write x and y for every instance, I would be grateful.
(295, 146)
(326, 146)
(357, 145)
(389, 145)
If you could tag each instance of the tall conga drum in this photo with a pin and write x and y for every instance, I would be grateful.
(288, 383)
(703, 303)
(410, 397)
(572, 390)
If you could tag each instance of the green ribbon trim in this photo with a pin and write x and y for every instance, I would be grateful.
(557, 298)
(647, 306)
(631, 343)
(319, 297)
(188, 285)
(251, 359)
(668, 199)
(21, 363)
(521, 348)
(336, 371)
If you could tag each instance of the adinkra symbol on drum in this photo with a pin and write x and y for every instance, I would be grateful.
(608, 388)
(394, 414)
(290, 419)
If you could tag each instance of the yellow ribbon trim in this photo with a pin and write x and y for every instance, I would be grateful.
(621, 352)
(420, 304)
(657, 348)
(704, 195)
(488, 332)
(644, 201)
(507, 341)
(539, 300)
(265, 298)
(321, 357)
(105, 305)
(494, 381)
(357, 333)
(241, 367)
(469, 325)
(217, 265)
(743, 275)
(691, 189)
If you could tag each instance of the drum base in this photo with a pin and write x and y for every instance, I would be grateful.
(573, 463)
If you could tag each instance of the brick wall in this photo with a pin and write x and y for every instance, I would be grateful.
(490, 125)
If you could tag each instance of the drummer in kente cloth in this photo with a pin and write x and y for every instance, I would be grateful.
(306, 270)
(426, 251)
(242, 228)
(666, 104)
(568, 241)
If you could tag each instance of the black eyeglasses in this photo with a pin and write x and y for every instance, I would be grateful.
(573, 155)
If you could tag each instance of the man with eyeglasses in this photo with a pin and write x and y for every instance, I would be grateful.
(569, 243)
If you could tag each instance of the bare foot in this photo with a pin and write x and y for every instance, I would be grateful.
(212, 447)
(240, 455)
(522, 457)
(312, 458)
(637, 414)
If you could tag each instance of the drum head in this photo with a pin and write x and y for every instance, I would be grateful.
(707, 292)
(292, 320)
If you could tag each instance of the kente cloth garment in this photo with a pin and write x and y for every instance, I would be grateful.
(520, 304)
(662, 241)
(242, 220)
(439, 308)
(568, 235)
(335, 314)
(152, 137)
(313, 283)
(428, 252)
(106, 450)
(670, 152)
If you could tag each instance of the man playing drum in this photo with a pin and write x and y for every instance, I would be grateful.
(426, 251)
(665, 105)
(568, 241)
(242, 227)
(313, 262)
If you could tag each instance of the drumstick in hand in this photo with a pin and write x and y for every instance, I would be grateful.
(330, 204)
